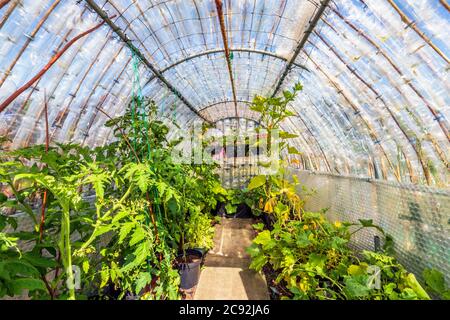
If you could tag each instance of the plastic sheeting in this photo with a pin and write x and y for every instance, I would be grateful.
(415, 216)
(375, 100)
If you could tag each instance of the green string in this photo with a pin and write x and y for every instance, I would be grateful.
(138, 111)
(140, 116)
(133, 103)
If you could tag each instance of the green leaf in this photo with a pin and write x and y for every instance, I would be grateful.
(293, 150)
(298, 86)
(338, 242)
(138, 235)
(103, 229)
(286, 135)
(262, 238)
(287, 94)
(356, 286)
(434, 280)
(104, 274)
(98, 181)
(143, 279)
(218, 189)
(366, 223)
(39, 261)
(302, 240)
(125, 230)
(317, 260)
(408, 294)
(140, 255)
(288, 258)
(142, 182)
(253, 250)
(389, 290)
(355, 270)
(258, 226)
(19, 285)
(258, 262)
(4, 273)
(20, 267)
(122, 214)
(369, 224)
(85, 266)
(230, 208)
(256, 182)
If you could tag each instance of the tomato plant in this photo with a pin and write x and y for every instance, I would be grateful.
(119, 213)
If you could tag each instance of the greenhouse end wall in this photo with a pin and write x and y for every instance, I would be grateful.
(415, 216)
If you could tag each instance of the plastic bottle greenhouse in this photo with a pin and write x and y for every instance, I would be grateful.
(224, 150)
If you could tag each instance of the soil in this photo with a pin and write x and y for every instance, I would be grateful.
(276, 291)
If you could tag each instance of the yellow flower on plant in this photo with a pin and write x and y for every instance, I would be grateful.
(303, 287)
(303, 284)
(305, 227)
(261, 203)
(337, 224)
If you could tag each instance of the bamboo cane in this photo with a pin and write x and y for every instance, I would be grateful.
(102, 101)
(219, 8)
(30, 37)
(421, 34)
(4, 3)
(374, 137)
(8, 12)
(52, 61)
(419, 152)
(433, 111)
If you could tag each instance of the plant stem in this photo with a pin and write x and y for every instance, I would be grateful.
(98, 223)
(66, 253)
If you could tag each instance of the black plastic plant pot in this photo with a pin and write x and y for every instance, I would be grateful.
(203, 252)
(219, 209)
(189, 268)
(268, 220)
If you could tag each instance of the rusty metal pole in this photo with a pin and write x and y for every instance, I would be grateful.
(445, 4)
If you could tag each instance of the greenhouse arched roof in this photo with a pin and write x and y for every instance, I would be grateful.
(374, 72)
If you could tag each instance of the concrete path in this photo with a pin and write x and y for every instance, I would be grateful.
(226, 275)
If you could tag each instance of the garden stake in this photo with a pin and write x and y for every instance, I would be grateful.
(44, 198)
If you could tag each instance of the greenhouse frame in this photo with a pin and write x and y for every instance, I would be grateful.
(224, 150)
